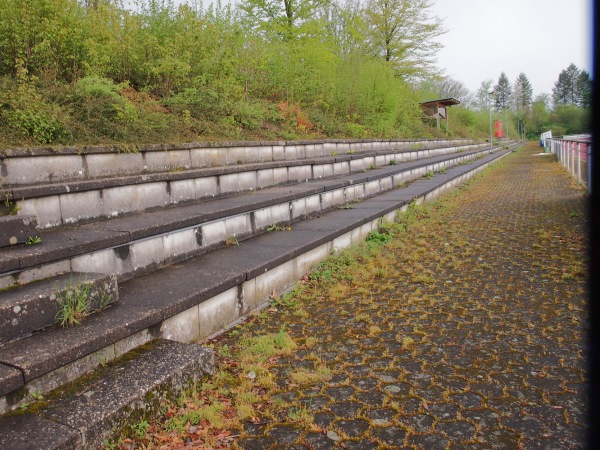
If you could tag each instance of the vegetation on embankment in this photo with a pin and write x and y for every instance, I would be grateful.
(93, 71)
(98, 71)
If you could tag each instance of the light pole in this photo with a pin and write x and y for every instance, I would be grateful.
(490, 105)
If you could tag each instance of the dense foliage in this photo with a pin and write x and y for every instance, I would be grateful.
(93, 71)
(570, 109)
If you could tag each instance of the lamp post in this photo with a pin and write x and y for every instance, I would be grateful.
(520, 129)
(490, 105)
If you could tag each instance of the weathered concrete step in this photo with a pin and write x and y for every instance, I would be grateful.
(143, 242)
(28, 308)
(356, 159)
(17, 230)
(196, 299)
(123, 394)
(83, 201)
(45, 165)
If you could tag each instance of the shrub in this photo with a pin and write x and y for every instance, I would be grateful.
(98, 105)
(25, 111)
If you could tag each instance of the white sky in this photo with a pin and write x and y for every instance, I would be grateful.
(537, 37)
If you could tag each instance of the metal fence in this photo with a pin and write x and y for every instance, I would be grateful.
(575, 153)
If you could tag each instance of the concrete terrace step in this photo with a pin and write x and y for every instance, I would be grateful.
(17, 230)
(65, 202)
(192, 300)
(29, 308)
(29, 166)
(139, 243)
(124, 259)
(112, 399)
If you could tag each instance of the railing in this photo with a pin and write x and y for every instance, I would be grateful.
(575, 153)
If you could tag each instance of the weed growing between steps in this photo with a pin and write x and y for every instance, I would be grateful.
(78, 301)
(33, 240)
(429, 329)
(232, 241)
(10, 207)
(277, 227)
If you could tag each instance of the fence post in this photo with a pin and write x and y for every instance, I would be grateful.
(571, 156)
(573, 146)
(579, 162)
(560, 144)
(589, 166)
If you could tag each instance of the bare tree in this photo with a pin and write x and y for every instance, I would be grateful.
(448, 87)
(482, 96)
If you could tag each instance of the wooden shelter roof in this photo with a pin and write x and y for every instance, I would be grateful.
(444, 102)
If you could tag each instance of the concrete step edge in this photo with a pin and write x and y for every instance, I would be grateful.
(28, 166)
(34, 306)
(65, 204)
(18, 229)
(113, 398)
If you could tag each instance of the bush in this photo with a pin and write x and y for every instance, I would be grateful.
(98, 105)
(44, 128)
(356, 131)
(98, 87)
(27, 113)
(254, 115)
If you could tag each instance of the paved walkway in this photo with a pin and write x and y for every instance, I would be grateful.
(470, 336)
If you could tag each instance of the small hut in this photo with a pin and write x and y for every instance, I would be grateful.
(438, 109)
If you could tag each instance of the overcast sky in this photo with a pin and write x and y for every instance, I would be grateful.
(537, 37)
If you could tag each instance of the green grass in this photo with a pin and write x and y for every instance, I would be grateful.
(33, 240)
(277, 227)
(232, 241)
(76, 303)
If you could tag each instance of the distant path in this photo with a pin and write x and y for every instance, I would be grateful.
(477, 329)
